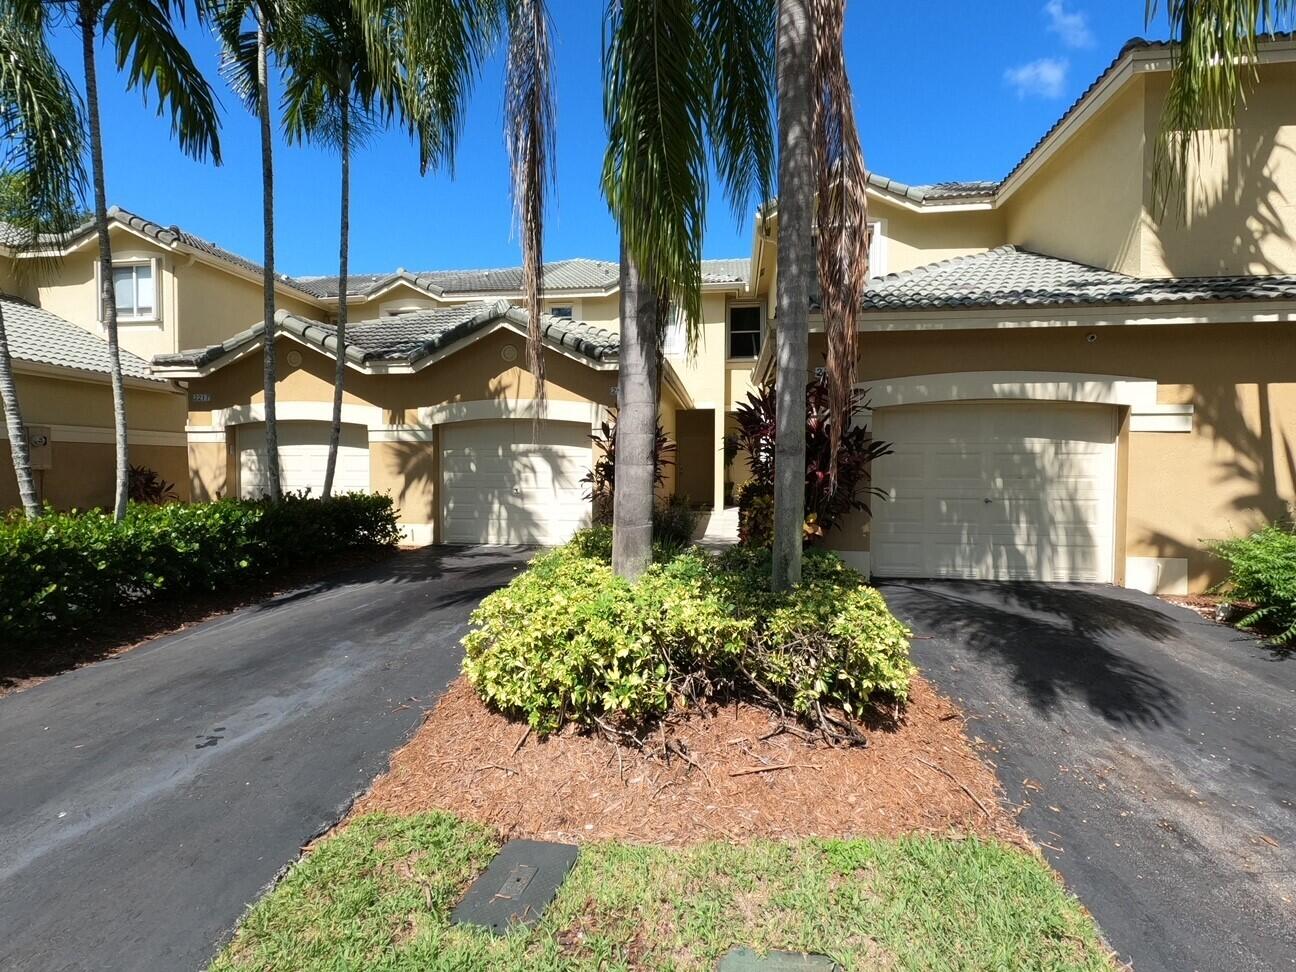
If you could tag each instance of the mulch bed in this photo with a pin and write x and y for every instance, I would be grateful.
(21, 667)
(728, 773)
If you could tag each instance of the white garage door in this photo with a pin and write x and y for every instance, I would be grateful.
(996, 492)
(303, 458)
(510, 482)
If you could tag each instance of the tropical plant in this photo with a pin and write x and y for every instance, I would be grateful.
(1214, 63)
(1262, 573)
(148, 486)
(248, 29)
(569, 640)
(681, 77)
(601, 479)
(829, 495)
(821, 186)
(147, 48)
(331, 97)
(41, 150)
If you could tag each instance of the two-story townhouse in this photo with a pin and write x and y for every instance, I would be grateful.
(1082, 385)
(1079, 386)
(61, 373)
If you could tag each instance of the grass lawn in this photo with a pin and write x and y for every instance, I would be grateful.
(378, 895)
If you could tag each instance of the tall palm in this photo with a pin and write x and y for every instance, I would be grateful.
(681, 77)
(248, 29)
(329, 99)
(41, 151)
(1214, 64)
(147, 47)
(822, 210)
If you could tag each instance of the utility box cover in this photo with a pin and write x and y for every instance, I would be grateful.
(517, 886)
(38, 444)
(743, 959)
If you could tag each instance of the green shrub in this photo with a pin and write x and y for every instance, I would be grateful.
(64, 570)
(1262, 570)
(568, 640)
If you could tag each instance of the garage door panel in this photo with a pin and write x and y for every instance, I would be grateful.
(510, 482)
(1007, 491)
(303, 458)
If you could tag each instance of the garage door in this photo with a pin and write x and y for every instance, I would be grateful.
(996, 492)
(509, 482)
(303, 458)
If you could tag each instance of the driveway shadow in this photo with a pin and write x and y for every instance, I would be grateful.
(1059, 644)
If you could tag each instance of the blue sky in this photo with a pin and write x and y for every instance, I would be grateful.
(944, 89)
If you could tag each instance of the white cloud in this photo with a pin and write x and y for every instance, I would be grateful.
(1045, 78)
(1071, 26)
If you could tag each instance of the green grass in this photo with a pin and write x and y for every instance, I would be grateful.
(378, 896)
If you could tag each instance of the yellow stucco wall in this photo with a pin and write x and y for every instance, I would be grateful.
(1231, 473)
(213, 305)
(1240, 215)
(911, 239)
(1086, 202)
(81, 473)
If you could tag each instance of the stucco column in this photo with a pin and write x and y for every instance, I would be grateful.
(717, 459)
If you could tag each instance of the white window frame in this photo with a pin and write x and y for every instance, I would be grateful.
(742, 305)
(675, 334)
(878, 248)
(569, 308)
(155, 269)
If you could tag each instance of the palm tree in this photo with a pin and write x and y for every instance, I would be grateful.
(679, 76)
(822, 209)
(41, 150)
(143, 33)
(1214, 64)
(329, 98)
(247, 29)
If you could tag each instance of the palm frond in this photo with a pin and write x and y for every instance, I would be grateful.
(42, 147)
(234, 23)
(148, 49)
(529, 130)
(1213, 66)
(426, 56)
(841, 214)
(656, 100)
(738, 35)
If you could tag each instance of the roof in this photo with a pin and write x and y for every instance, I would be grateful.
(935, 192)
(11, 235)
(37, 336)
(173, 235)
(1012, 277)
(575, 274)
(408, 338)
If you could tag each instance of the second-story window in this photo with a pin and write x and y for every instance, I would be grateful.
(561, 310)
(745, 331)
(135, 291)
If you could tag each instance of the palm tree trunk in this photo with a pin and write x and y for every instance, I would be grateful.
(88, 17)
(17, 431)
(339, 375)
(268, 274)
(796, 265)
(636, 432)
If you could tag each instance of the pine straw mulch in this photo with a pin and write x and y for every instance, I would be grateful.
(728, 773)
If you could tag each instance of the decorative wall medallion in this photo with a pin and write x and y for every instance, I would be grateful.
(294, 359)
(509, 352)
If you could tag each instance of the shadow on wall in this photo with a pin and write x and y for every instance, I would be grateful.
(1233, 221)
(963, 503)
(1054, 640)
(1254, 453)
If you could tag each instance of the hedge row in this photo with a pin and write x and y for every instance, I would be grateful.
(65, 570)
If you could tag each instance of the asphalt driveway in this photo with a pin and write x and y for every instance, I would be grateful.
(148, 799)
(1155, 754)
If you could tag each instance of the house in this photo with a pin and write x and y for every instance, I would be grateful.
(62, 378)
(1079, 385)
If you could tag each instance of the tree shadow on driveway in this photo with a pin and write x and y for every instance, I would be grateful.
(1060, 644)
